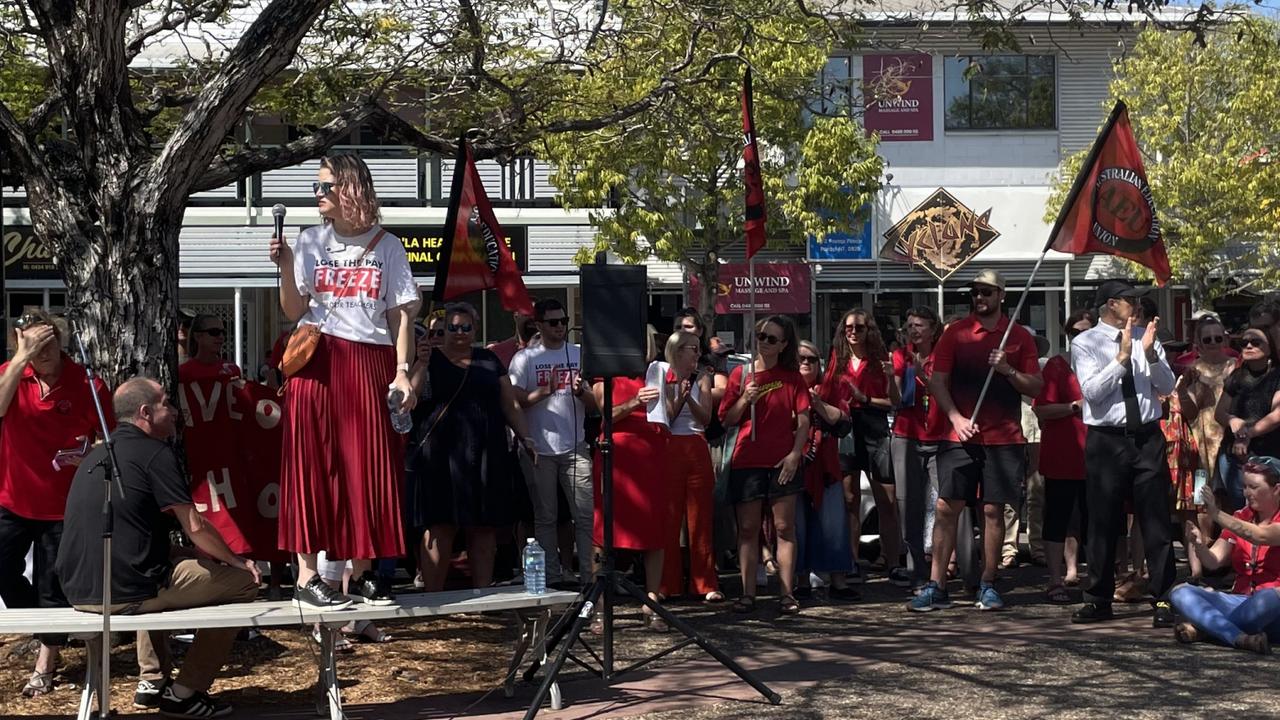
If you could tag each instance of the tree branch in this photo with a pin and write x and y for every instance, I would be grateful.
(224, 171)
(264, 49)
(18, 146)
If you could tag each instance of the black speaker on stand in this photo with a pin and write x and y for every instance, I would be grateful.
(614, 343)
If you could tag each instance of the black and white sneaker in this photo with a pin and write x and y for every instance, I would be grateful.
(147, 695)
(371, 590)
(318, 595)
(196, 707)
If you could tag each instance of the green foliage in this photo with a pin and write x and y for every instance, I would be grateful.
(674, 177)
(1202, 116)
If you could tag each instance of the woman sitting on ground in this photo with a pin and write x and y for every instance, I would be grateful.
(1249, 616)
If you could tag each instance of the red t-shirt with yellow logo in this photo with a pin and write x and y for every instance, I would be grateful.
(783, 397)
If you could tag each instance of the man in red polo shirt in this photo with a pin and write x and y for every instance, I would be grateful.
(984, 458)
(48, 422)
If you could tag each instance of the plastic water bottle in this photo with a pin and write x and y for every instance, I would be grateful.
(535, 568)
(401, 422)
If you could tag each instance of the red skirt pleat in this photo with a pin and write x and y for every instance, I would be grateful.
(342, 468)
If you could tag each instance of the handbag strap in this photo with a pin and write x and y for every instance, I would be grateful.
(445, 410)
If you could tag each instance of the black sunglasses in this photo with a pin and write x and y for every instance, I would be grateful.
(464, 328)
(216, 332)
(29, 320)
(556, 322)
(323, 188)
(982, 292)
(1212, 339)
(766, 337)
(858, 327)
(809, 359)
(437, 332)
(1253, 342)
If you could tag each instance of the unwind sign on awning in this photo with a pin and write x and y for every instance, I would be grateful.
(781, 288)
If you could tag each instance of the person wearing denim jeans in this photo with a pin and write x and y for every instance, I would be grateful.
(548, 383)
(1248, 617)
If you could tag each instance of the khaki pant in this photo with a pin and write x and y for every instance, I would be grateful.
(194, 583)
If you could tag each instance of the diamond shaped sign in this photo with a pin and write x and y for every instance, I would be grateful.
(940, 235)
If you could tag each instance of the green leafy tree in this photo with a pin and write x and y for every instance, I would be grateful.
(1204, 117)
(674, 180)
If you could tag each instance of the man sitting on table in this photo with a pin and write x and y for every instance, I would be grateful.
(145, 577)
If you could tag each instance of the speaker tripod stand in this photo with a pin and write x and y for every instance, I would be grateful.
(600, 594)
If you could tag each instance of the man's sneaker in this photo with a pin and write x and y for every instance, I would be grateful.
(931, 598)
(371, 590)
(988, 598)
(1163, 617)
(147, 696)
(198, 706)
(900, 577)
(1092, 613)
(318, 595)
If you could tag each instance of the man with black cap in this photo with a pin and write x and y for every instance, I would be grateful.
(1123, 372)
(986, 451)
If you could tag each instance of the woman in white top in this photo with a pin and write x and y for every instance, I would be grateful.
(342, 470)
(692, 479)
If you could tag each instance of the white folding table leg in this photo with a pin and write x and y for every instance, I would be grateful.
(527, 628)
(93, 661)
(329, 671)
(541, 622)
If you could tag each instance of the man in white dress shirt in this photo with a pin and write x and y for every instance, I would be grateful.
(1123, 373)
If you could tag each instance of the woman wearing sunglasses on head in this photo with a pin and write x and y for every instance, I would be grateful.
(348, 284)
(1248, 617)
(1249, 412)
(205, 341)
(765, 469)
(862, 363)
(460, 477)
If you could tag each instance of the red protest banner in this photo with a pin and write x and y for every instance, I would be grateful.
(232, 439)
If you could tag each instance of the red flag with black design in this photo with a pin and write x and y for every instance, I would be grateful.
(475, 255)
(751, 178)
(1110, 209)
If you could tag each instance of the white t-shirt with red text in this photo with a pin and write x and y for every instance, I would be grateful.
(325, 266)
(555, 423)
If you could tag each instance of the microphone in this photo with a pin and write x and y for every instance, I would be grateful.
(278, 211)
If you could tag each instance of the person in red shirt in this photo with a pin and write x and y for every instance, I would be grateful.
(1248, 617)
(918, 426)
(204, 348)
(1062, 435)
(766, 468)
(861, 363)
(985, 452)
(49, 423)
(526, 328)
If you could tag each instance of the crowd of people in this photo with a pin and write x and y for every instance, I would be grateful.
(957, 426)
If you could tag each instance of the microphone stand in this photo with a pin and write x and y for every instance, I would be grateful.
(110, 477)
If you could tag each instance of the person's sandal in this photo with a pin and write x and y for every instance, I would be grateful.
(745, 604)
(367, 631)
(1058, 595)
(40, 683)
(788, 605)
(713, 597)
(654, 622)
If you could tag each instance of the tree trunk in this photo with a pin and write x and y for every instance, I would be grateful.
(121, 299)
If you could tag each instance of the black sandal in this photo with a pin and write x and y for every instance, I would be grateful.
(745, 604)
(788, 605)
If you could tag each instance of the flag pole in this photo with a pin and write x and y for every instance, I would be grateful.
(751, 333)
(991, 371)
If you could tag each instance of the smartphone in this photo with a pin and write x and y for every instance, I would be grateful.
(1202, 479)
(60, 457)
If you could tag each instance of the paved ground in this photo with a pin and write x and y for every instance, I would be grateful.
(875, 660)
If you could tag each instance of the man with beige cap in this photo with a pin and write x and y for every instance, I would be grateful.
(984, 458)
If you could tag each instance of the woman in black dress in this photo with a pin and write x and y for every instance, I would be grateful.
(459, 464)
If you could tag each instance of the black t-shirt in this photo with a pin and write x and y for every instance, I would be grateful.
(140, 566)
(1251, 396)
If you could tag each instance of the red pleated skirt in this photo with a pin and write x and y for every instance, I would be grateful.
(342, 468)
(641, 476)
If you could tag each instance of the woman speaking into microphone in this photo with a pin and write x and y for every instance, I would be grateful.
(348, 285)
